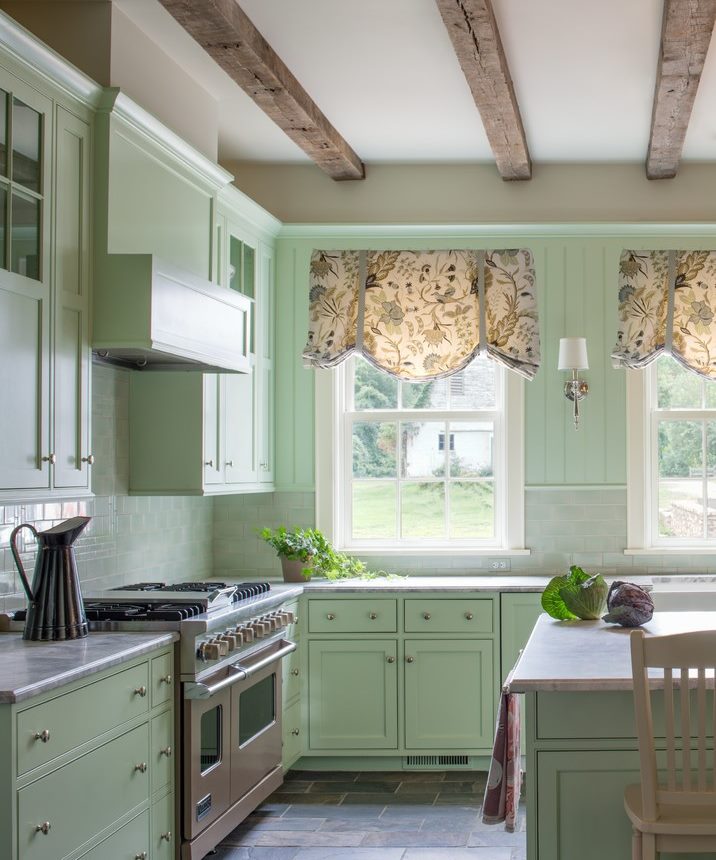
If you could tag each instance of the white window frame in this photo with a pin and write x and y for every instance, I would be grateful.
(334, 465)
(643, 418)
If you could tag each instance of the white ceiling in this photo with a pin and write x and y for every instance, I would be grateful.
(385, 75)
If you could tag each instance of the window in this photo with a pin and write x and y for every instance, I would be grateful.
(672, 467)
(419, 465)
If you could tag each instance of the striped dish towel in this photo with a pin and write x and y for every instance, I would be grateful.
(502, 793)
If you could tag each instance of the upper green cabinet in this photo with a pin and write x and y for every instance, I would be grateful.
(45, 186)
(193, 433)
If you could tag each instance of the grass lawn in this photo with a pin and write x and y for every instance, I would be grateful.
(423, 513)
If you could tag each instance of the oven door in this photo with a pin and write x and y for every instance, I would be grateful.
(232, 734)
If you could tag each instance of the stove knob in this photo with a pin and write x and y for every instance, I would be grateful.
(291, 618)
(228, 640)
(221, 645)
(258, 629)
(238, 634)
(273, 623)
(247, 633)
(209, 651)
(233, 640)
(268, 624)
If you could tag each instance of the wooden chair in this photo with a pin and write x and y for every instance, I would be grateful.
(680, 815)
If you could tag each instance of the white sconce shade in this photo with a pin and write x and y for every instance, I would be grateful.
(573, 353)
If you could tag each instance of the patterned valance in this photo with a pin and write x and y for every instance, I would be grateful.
(667, 301)
(422, 315)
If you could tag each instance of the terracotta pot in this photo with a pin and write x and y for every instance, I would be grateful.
(293, 569)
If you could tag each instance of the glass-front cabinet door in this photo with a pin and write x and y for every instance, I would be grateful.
(25, 151)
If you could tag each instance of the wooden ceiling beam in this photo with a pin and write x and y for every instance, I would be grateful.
(685, 36)
(227, 34)
(473, 31)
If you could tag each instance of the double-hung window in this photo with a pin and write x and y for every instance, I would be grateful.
(672, 459)
(413, 466)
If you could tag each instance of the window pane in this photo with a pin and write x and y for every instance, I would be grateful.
(677, 388)
(372, 388)
(235, 263)
(422, 510)
(422, 448)
(711, 513)
(680, 449)
(472, 509)
(681, 510)
(471, 453)
(26, 127)
(210, 731)
(424, 395)
(710, 389)
(374, 445)
(474, 387)
(25, 242)
(3, 228)
(247, 279)
(257, 708)
(3, 133)
(374, 504)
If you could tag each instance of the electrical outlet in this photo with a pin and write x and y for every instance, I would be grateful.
(501, 564)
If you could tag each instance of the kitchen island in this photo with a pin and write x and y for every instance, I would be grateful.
(581, 738)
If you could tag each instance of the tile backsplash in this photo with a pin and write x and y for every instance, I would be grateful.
(130, 537)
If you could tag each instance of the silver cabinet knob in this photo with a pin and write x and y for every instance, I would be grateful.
(294, 672)
(141, 767)
(390, 659)
(230, 464)
(165, 679)
(427, 616)
(167, 837)
(43, 736)
(167, 751)
(209, 463)
(141, 691)
(264, 467)
(51, 459)
(295, 732)
(410, 659)
(469, 616)
(43, 828)
(330, 616)
(141, 856)
(372, 616)
(89, 459)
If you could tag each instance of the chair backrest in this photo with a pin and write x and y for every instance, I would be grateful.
(688, 661)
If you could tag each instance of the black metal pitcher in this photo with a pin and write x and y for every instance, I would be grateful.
(56, 610)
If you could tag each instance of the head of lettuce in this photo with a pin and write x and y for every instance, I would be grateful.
(576, 595)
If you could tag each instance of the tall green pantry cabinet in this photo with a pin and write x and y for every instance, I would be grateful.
(45, 254)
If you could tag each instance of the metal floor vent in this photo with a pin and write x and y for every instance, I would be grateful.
(441, 762)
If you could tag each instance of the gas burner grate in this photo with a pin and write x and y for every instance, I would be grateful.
(99, 611)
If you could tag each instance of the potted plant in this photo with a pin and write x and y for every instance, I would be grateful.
(304, 552)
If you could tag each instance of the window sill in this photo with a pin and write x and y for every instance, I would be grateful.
(413, 551)
(673, 550)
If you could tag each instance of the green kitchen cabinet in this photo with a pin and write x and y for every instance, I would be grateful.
(88, 768)
(293, 678)
(45, 170)
(353, 694)
(449, 699)
(518, 613)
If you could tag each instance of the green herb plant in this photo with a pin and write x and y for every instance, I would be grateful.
(321, 559)
(576, 595)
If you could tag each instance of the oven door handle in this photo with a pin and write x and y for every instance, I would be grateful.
(239, 673)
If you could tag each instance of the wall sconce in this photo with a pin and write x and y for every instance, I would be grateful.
(573, 356)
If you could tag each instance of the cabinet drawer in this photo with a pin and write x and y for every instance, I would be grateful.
(291, 675)
(352, 616)
(126, 844)
(448, 616)
(292, 734)
(162, 679)
(83, 797)
(80, 716)
(162, 747)
(163, 830)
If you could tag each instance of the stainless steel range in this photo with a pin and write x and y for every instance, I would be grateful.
(232, 641)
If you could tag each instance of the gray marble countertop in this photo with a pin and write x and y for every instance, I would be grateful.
(591, 655)
(28, 669)
(504, 583)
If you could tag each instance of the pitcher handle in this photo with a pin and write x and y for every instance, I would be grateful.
(18, 561)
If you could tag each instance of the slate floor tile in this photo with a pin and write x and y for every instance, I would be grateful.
(457, 854)
(354, 787)
(368, 825)
(420, 838)
(321, 776)
(496, 837)
(317, 839)
(309, 798)
(387, 798)
(350, 854)
(402, 776)
(363, 810)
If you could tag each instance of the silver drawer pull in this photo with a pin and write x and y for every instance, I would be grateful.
(330, 616)
(427, 616)
(167, 751)
(165, 679)
(390, 659)
(410, 659)
(167, 837)
(43, 736)
(230, 464)
(294, 671)
(43, 828)
(141, 767)
(141, 856)
(141, 691)
(295, 732)
(51, 459)
(372, 616)
(469, 616)
(209, 463)
(89, 459)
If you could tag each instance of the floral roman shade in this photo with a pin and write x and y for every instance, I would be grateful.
(422, 315)
(667, 301)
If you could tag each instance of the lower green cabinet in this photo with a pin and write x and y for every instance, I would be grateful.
(127, 843)
(449, 702)
(164, 837)
(353, 694)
